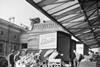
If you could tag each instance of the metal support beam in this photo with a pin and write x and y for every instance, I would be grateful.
(89, 23)
(65, 8)
(90, 15)
(55, 7)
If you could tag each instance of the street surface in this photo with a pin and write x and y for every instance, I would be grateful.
(87, 64)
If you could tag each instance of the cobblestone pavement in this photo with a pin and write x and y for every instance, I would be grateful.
(87, 64)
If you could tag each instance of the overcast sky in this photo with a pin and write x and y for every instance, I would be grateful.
(20, 9)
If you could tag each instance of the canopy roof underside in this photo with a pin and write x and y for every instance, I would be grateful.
(79, 17)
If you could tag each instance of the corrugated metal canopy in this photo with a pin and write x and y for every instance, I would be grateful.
(79, 17)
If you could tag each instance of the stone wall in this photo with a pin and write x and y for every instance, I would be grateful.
(9, 37)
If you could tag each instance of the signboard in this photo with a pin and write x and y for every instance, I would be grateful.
(80, 48)
(48, 41)
(33, 42)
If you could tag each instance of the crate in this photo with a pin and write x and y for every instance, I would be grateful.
(54, 63)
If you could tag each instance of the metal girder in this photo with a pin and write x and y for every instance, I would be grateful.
(76, 16)
(55, 6)
(50, 2)
(52, 18)
(64, 8)
(72, 18)
(89, 23)
(90, 15)
(73, 11)
(90, 6)
(81, 25)
(81, 31)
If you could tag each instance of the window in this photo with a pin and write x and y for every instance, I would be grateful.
(1, 48)
(16, 47)
(1, 32)
(15, 37)
(24, 45)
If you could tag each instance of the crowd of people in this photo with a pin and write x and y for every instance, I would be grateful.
(78, 58)
(18, 59)
(21, 58)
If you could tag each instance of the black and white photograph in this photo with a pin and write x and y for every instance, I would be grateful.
(49, 33)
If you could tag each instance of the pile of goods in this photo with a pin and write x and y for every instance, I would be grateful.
(27, 60)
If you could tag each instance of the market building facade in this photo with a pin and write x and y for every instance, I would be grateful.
(47, 31)
(9, 37)
(31, 38)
